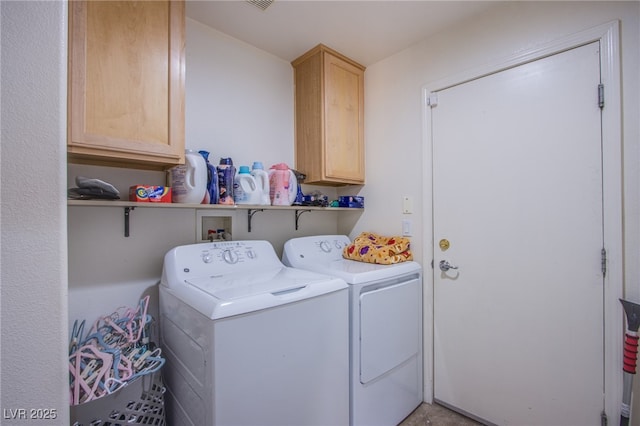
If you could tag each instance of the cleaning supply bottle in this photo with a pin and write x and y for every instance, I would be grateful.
(300, 177)
(212, 180)
(226, 174)
(245, 188)
(189, 180)
(262, 181)
(282, 184)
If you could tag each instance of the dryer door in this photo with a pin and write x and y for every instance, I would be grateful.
(390, 327)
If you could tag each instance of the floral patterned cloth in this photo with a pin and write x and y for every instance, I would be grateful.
(372, 248)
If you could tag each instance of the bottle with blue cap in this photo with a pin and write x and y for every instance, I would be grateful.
(245, 188)
(262, 181)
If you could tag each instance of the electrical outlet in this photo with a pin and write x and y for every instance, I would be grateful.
(407, 204)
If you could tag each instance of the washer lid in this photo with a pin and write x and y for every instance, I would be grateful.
(234, 294)
(245, 285)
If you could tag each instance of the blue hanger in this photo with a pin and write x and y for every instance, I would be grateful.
(76, 336)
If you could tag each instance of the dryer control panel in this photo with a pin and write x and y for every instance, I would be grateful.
(315, 249)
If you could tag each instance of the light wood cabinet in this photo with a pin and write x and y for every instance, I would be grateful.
(126, 83)
(329, 117)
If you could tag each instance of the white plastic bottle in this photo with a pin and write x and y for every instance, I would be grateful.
(189, 180)
(245, 188)
(262, 181)
(283, 184)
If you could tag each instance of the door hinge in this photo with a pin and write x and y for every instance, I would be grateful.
(432, 99)
(603, 261)
(601, 95)
(603, 418)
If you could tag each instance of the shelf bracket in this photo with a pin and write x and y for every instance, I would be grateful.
(250, 214)
(127, 211)
(298, 214)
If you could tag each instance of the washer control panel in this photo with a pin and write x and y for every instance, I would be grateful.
(229, 252)
(220, 258)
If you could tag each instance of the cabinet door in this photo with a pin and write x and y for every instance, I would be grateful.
(344, 121)
(126, 82)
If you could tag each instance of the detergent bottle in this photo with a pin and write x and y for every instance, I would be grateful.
(226, 175)
(262, 180)
(245, 188)
(189, 180)
(212, 180)
(283, 185)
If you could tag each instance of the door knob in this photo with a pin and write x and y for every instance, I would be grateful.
(445, 266)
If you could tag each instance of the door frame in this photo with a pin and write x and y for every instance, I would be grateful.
(608, 36)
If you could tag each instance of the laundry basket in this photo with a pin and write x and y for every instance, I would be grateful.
(141, 402)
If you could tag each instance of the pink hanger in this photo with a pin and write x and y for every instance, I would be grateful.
(86, 380)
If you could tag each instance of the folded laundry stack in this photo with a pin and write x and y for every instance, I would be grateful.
(372, 248)
(89, 189)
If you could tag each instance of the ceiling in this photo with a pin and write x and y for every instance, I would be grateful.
(366, 31)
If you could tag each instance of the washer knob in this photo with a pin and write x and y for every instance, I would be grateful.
(207, 257)
(230, 256)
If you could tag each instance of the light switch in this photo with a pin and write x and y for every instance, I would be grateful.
(407, 204)
(406, 228)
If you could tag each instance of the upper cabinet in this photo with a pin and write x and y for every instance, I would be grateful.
(126, 83)
(329, 109)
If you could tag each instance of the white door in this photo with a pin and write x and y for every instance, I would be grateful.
(517, 195)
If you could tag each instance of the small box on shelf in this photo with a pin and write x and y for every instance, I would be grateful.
(150, 194)
(352, 201)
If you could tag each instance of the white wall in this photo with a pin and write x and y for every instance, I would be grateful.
(34, 366)
(393, 122)
(239, 100)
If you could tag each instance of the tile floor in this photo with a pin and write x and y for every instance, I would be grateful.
(436, 415)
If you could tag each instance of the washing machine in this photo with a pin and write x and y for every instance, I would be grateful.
(249, 341)
(385, 328)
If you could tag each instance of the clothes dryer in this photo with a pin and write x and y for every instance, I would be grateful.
(385, 327)
(249, 341)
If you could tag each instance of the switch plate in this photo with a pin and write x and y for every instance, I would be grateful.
(406, 228)
(407, 204)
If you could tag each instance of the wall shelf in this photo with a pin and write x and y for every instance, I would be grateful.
(129, 206)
